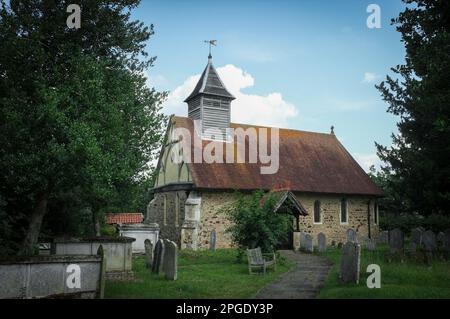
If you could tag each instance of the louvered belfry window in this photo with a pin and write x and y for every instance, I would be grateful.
(210, 102)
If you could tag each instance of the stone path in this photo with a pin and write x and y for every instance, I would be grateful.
(302, 282)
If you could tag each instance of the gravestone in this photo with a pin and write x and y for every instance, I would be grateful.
(447, 242)
(165, 259)
(429, 241)
(383, 237)
(396, 241)
(352, 236)
(158, 260)
(440, 239)
(171, 260)
(350, 262)
(321, 242)
(416, 236)
(309, 243)
(148, 253)
(370, 244)
(430, 245)
(212, 240)
(415, 239)
(302, 240)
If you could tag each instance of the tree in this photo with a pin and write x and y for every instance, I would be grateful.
(394, 201)
(420, 96)
(254, 222)
(76, 115)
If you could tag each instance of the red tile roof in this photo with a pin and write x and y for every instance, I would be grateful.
(124, 218)
(308, 162)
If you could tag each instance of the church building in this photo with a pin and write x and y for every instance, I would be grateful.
(316, 175)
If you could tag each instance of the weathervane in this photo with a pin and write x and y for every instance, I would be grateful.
(211, 43)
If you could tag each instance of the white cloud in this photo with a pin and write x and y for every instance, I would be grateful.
(370, 77)
(270, 109)
(367, 160)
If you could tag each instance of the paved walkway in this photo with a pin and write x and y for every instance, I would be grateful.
(302, 282)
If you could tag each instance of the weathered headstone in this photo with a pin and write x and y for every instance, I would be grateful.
(350, 262)
(212, 240)
(429, 244)
(321, 242)
(440, 239)
(416, 235)
(447, 242)
(429, 241)
(383, 237)
(148, 253)
(302, 240)
(101, 289)
(396, 241)
(158, 260)
(309, 243)
(352, 236)
(164, 261)
(171, 260)
(415, 240)
(370, 244)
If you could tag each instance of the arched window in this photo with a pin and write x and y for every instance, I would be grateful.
(317, 216)
(344, 217)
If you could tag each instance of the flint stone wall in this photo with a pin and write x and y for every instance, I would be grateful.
(211, 217)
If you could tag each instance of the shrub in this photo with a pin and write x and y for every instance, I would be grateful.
(254, 223)
(406, 222)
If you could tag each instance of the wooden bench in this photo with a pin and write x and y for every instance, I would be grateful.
(256, 260)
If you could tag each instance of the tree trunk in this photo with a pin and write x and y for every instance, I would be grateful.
(96, 223)
(34, 227)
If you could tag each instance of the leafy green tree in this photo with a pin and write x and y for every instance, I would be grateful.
(75, 113)
(395, 200)
(419, 94)
(255, 224)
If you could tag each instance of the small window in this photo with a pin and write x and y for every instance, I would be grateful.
(375, 213)
(344, 217)
(317, 216)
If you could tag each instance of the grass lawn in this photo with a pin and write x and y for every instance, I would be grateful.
(410, 279)
(201, 274)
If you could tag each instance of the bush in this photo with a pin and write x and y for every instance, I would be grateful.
(406, 222)
(109, 230)
(254, 223)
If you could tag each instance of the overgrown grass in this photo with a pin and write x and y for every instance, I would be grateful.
(201, 274)
(407, 279)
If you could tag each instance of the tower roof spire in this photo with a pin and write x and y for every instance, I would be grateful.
(210, 82)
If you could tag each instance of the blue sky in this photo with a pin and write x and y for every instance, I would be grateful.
(317, 59)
